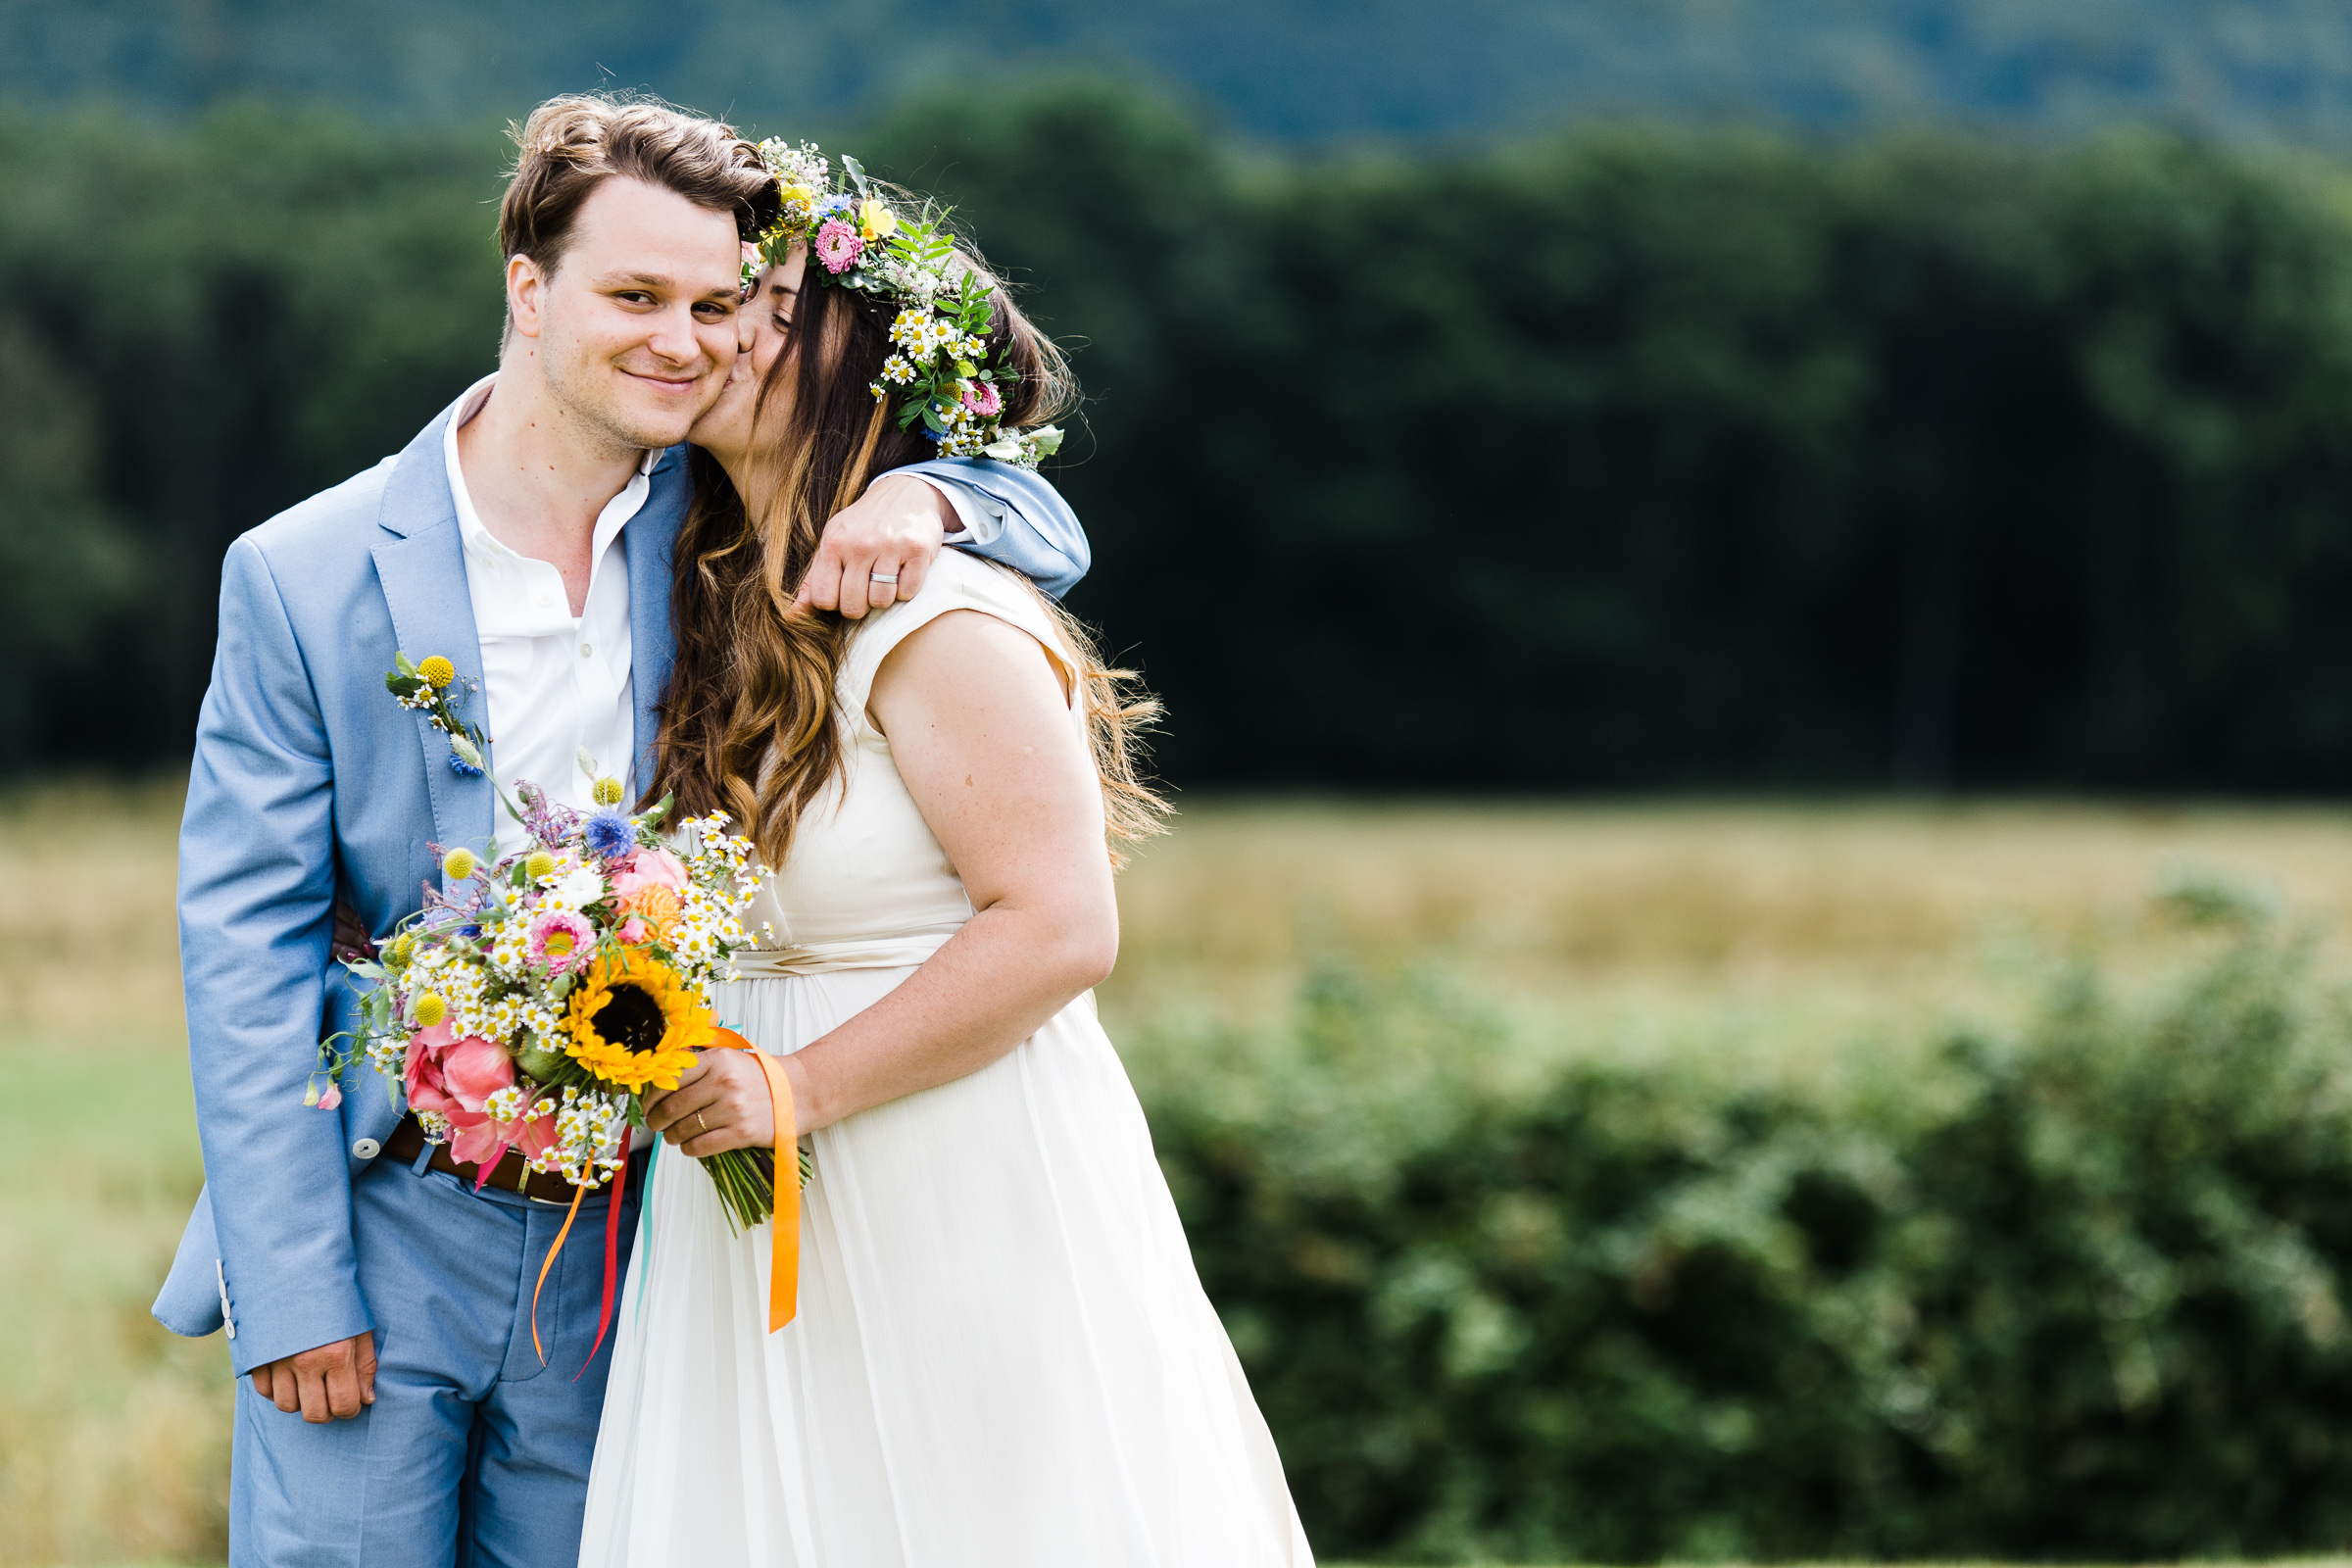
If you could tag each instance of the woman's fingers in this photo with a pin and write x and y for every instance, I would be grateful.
(728, 1108)
(663, 1107)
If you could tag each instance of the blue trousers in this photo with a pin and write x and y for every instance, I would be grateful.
(474, 1453)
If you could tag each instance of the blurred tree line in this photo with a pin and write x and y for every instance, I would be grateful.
(1630, 458)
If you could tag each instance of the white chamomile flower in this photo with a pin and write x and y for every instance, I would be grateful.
(580, 888)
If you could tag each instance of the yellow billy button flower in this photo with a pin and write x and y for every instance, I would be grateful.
(540, 866)
(459, 864)
(437, 672)
(430, 1010)
(875, 220)
(606, 792)
(401, 947)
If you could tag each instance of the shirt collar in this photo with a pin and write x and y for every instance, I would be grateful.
(479, 539)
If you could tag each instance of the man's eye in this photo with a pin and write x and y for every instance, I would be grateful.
(632, 296)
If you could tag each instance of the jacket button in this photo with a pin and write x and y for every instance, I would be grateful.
(367, 1149)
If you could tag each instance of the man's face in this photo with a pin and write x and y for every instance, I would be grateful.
(635, 331)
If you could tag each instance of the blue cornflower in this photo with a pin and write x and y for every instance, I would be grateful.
(462, 767)
(608, 835)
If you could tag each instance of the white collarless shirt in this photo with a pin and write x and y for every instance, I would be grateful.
(554, 684)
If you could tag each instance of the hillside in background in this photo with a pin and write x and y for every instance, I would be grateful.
(1293, 70)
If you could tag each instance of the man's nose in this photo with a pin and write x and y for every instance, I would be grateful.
(674, 338)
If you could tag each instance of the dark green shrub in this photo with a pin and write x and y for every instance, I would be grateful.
(2077, 1293)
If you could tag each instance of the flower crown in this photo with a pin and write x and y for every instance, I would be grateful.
(950, 382)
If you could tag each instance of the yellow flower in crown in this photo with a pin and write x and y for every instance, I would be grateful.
(636, 1023)
(875, 220)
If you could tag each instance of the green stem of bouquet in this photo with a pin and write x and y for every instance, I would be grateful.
(746, 1190)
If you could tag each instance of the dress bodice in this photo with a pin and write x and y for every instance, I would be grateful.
(865, 871)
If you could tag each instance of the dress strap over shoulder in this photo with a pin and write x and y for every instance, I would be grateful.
(956, 581)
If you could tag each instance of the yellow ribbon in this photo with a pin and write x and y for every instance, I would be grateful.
(784, 1261)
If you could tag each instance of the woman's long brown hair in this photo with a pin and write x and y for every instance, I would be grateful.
(748, 720)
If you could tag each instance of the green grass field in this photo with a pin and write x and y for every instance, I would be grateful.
(1786, 942)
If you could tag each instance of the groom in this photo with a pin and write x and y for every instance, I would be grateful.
(391, 1407)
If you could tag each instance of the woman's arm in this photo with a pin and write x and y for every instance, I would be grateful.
(983, 737)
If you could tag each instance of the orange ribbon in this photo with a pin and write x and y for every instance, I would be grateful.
(577, 1193)
(784, 1262)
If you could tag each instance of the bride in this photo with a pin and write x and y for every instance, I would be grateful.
(1002, 1355)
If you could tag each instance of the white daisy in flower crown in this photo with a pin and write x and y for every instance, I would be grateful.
(949, 371)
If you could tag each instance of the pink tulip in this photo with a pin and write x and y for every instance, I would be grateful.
(456, 1077)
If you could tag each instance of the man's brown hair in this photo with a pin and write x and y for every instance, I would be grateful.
(573, 144)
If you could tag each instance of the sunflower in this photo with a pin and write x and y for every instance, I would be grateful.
(636, 1021)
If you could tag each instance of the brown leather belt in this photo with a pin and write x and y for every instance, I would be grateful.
(509, 1173)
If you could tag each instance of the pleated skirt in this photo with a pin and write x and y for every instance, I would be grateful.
(1003, 1356)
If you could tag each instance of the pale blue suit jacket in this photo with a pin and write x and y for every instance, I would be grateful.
(312, 784)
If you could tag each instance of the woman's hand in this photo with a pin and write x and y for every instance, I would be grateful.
(722, 1102)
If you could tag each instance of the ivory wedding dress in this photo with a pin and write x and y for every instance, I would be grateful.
(1003, 1356)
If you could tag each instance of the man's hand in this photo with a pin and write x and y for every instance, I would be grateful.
(331, 1383)
(722, 1102)
(895, 529)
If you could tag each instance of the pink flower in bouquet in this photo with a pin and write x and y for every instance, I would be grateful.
(562, 941)
(330, 1097)
(449, 1074)
(838, 245)
(645, 869)
(457, 1078)
(632, 932)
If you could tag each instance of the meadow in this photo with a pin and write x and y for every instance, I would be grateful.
(1794, 945)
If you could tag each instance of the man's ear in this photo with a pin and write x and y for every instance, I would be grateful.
(527, 294)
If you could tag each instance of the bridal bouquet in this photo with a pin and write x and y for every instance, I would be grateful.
(534, 999)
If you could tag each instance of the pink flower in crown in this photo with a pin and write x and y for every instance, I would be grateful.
(838, 245)
(983, 399)
(562, 941)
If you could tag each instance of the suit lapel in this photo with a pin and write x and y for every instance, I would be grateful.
(421, 563)
(651, 541)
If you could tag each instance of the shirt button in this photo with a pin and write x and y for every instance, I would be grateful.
(583, 650)
(367, 1149)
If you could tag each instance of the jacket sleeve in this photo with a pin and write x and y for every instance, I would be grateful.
(1015, 519)
(255, 896)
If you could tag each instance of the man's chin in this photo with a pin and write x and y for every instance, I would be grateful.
(642, 428)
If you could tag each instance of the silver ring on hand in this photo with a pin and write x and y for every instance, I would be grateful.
(890, 577)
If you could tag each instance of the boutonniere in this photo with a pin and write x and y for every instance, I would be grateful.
(425, 686)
